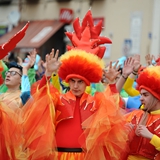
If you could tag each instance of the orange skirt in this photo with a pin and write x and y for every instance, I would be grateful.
(11, 138)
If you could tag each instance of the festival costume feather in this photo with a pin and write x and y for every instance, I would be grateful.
(11, 44)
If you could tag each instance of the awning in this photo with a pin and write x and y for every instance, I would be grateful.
(37, 33)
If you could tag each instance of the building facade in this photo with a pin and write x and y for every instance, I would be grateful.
(132, 25)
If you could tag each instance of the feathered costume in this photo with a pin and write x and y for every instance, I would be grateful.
(11, 137)
(143, 148)
(62, 126)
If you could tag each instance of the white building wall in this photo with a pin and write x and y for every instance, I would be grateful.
(155, 43)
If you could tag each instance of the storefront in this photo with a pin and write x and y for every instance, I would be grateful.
(41, 34)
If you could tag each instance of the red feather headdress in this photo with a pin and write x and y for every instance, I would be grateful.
(149, 80)
(84, 58)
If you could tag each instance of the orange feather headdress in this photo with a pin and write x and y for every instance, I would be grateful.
(84, 58)
(149, 80)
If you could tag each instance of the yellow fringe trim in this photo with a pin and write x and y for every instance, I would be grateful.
(89, 56)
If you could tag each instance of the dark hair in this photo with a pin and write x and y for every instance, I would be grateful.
(12, 58)
(120, 70)
(15, 65)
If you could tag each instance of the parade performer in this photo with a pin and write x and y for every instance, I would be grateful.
(145, 135)
(11, 102)
(76, 125)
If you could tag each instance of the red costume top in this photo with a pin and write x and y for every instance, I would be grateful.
(73, 112)
(140, 145)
